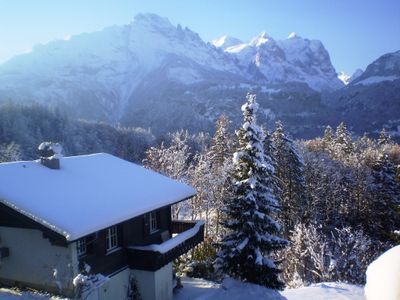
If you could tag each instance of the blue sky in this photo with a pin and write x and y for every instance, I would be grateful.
(355, 32)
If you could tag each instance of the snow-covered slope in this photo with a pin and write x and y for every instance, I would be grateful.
(226, 41)
(343, 77)
(385, 68)
(371, 100)
(346, 79)
(292, 60)
(357, 73)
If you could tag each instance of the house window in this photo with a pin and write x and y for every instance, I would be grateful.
(81, 247)
(153, 222)
(112, 238)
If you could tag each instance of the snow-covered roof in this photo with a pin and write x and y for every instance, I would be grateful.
(88, 193)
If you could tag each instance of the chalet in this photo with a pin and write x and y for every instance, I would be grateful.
(66, 222)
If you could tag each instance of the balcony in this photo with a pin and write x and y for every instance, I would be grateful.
(155, 256)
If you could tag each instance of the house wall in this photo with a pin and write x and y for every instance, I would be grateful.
(35, 253)
(155, 285)
(152, 285)
(116, 288)
(33, 261)
(135, 231)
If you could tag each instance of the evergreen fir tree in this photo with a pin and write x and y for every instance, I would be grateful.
(384, 137)
(343, 142)
(220, 157)
(290, 171)
(221, 144)
(246, 250)
(328, 138)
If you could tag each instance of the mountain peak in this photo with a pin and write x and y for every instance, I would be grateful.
(343, 77)
(346, 79)
(385, 68)
(260, 39)
(152, 19)
(357, 73)
(225, 41)
(293, 35)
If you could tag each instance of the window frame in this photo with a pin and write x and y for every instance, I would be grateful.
(153, 222)
(81, 247)
(112, 241)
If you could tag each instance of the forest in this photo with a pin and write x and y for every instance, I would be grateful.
(326, 207)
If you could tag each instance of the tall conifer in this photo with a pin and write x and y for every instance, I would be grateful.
(252, 230)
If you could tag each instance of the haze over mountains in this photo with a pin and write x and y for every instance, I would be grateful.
(152, 74)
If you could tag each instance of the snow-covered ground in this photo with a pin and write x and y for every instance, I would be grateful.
(200, 289)
(383, 276)
(10, 294)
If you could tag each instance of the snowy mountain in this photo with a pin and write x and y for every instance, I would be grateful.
(226, 41)
(343, 77)
(152, 74)
(385, 68)
(292, 60)
(346, 79)
(372, 99)
(357, 73)
(99, 71)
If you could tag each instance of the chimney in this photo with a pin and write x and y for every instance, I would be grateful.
(50, 154)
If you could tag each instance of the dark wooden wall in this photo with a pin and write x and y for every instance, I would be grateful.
(135, 231)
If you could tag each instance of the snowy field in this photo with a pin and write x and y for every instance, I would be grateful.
(199, 289)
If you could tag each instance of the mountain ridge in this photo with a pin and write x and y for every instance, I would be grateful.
(152, 74)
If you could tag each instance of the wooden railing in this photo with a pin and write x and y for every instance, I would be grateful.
(179, 226)
(152, 258)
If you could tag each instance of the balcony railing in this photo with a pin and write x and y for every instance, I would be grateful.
(155, 256)
(179, 226)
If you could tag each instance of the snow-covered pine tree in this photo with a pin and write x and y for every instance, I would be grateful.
(221, 144)
(290, 171)
(245, 252)
(384, 137)
(343, 141)
(220, 157)
(328, 138)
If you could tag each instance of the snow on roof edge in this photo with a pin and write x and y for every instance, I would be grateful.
(36, 219)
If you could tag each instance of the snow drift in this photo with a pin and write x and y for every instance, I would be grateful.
(383, 276)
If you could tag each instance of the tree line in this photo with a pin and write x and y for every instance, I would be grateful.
(334, 199)
(23, 128)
